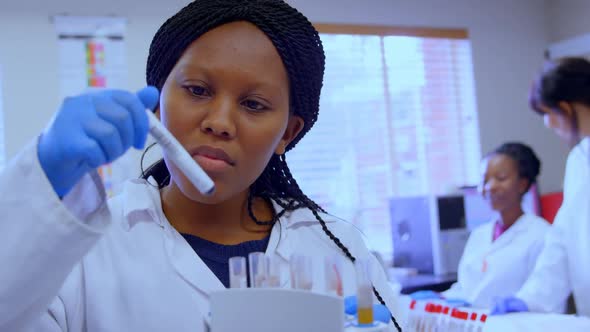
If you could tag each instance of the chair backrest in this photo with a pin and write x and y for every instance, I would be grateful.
(550, 204)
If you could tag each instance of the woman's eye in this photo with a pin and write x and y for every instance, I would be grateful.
(253, 105)
(198, 91)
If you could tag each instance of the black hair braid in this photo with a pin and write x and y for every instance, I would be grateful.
(333, 237)
(277, 183)
(346, 252)
(292, 205)
(157, 170)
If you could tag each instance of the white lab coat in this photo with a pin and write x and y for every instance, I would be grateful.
(84, 265)
(562, 267)
(490, 269)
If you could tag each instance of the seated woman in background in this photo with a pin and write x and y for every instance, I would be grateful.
(500, 255)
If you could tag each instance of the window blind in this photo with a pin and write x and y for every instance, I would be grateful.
(397, 118)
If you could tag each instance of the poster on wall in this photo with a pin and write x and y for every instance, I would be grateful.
(92, 56)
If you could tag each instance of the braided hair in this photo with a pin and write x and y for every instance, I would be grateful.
(529, 165)
(300, 48)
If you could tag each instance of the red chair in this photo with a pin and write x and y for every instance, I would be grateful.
(550, 204)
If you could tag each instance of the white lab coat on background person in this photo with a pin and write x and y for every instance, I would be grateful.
(490, 269)
(82, 264)
(562, 267)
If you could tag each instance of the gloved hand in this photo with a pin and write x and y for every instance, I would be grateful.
(457, 303)
(425, 295)
(380, 312)
(509, 304)
(91, 130)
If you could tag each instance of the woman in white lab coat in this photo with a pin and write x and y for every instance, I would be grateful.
(500, 255)
(240, 83)
(562, 96)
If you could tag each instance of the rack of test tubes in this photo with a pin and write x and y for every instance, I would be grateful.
(268, 294)
(438, 316)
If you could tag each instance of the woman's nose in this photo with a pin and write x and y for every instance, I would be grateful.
(489, 187)
(219, 120)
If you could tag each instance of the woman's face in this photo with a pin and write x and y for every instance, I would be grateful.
(502, 185)
(227, 103)
(559, 122)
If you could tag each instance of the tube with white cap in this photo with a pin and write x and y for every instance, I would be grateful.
(238, 277)
(180, 156)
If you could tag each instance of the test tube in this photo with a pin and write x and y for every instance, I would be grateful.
(333, 275)
(482, 321)
(273, 266)
(364, 292)
(472, 322)
(180, 156)
(237, 272)
(301, 272)
(257, 269)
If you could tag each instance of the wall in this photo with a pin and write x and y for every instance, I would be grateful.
(567, 19)
(508, 38)
(567, 29)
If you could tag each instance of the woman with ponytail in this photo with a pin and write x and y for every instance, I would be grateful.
(561, 94)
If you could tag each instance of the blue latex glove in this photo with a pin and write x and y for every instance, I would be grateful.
(425, 295)
(457, 303)
(91, 130)
(509, 304)
(380, 312)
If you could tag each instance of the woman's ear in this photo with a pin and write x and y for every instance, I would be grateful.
(566, 108)
(523, 185)
(294, 127)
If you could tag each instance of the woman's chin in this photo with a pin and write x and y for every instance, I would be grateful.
(498, 207)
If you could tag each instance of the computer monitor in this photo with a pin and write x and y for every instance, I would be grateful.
(429, 232)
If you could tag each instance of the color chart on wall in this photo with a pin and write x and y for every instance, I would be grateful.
(92, 56)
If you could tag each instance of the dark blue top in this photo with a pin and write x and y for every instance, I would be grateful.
(217, 256)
